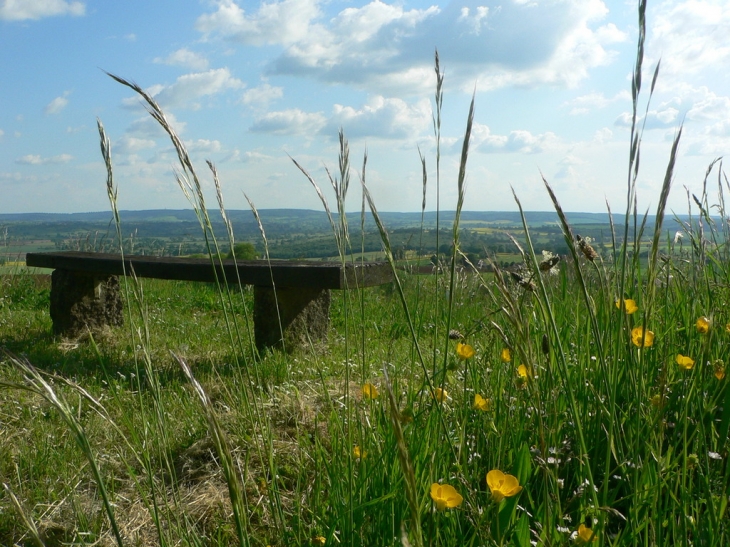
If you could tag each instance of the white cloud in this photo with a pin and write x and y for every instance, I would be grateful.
(381, 117)
(592, 101)
(247, 157)
(255, 157)
(56, 105)
(17, 177)
(203, 145)
(567, 167)
(190, 87)
(1, 133)
(148, 127)
(35, 159)
(21, 10)
(187, 89)
(603, 136)
(698, 106)
(185, 58)
(524, 142)
(262, 95)
(655, 119)
(474, 20)
(385, 47)
(290, 122)
(708, 106)
(131, 145)
(283, 22)
(691, 36)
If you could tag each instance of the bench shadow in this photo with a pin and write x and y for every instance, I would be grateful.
(85, 360)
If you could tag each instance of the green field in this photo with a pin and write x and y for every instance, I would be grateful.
(598, 432)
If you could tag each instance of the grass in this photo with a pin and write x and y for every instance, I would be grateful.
(174, 430)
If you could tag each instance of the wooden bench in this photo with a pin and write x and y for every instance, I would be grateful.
(85, 290)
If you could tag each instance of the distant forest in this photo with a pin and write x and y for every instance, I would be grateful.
(300, 234)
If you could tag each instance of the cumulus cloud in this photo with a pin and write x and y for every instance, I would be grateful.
(17, 177)
(382, 118)
(524, 142)
(203, 145)
(655, 119)
(567, 167)
(603, 136)
(593, 101)
(185, 58)
(147, 127)
(386, 47)
(250, 156)
(708, 106)
(290, 122)
(283, 22)
(703, 108)
(691, 36)
(131, 145)
(56, 105)
(21, 10)
(262, 95)
(36, 159)
(188, 88)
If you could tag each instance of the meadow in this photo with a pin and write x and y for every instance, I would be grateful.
(579, 401)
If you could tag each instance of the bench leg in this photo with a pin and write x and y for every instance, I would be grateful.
(304, 317)
(80, 300)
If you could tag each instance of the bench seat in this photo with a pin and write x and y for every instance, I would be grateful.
(291, 298)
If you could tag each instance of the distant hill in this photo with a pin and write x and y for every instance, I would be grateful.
(296, 233)
(242, 216)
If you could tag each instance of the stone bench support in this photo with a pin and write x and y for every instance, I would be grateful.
(81, 301)
(291, 299)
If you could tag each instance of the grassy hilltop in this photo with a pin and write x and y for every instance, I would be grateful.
(579, 401)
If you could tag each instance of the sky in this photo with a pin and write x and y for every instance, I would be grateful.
(251, 85)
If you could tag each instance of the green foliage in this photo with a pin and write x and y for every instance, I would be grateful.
(243, 251)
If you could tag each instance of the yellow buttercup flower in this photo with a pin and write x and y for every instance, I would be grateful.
(703, 325)
(464, 351)
(358, 453)
(640, 333)
(628, 305)
(502, 486)
(506, 355)
(444, 495)
(406, 416)
(522, 372)
(727, 328)
(319, 540)
(719, 369)
(480, 403)
(369, 391)
(586, 535)
(440, 394)
(684, 362)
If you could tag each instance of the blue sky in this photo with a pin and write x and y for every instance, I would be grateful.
(248, 83)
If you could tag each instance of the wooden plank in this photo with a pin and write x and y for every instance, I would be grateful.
(285, 273)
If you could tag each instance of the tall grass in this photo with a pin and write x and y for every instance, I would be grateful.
(597, 386)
